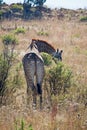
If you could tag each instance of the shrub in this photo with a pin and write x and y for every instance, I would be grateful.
(6, 60)
(42, 33)
(5, 65)
(9, 39)
(59, 78)
(16, 8)
(47, 58)
(83, 19)
(20, 30)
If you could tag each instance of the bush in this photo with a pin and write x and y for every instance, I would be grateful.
(5, 65)
(83, 19)
(42, 33)
(47, 58)
(6, 60)
(9, 39)
(59, 78)
(16, 8)
(20, 30)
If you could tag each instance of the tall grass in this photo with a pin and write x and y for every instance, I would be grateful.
(61, 115)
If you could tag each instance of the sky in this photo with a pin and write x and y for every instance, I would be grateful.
(70, 4)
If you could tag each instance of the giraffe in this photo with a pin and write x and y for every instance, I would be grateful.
(33, 65)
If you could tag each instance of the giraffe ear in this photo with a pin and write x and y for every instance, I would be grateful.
(57, 49)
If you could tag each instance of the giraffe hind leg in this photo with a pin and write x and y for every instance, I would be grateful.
(34, 96)
(39, 90)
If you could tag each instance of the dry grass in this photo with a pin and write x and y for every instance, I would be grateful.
(71, 36)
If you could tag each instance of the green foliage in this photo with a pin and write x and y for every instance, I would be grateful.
(30, 127)
(35, 2)
(1, 12)
(76, 35)
(4, 67)
(42, 33)
(28, 11)
(47, 58)
(39, 2)
(83, 19)
(19, 30)
(16, 8)
(22, 126)
(6, 60)
(59, 78)
(9, 39)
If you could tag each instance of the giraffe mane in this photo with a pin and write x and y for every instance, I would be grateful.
(41, 43)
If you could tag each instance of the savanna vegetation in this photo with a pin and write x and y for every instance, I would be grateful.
(65, 83)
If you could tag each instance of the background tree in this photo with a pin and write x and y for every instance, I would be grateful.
(39, 2)
(1, 1)
(27, 12)
(26, 8)
(35, 2)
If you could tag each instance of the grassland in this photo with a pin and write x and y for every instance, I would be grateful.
(71, 37)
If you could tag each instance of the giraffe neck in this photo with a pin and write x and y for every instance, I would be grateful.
(43, 46)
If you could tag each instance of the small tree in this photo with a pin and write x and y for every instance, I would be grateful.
(6, 59)
(27, 12)
(26, 9)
